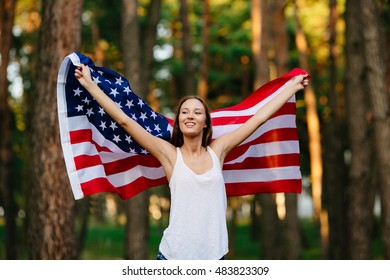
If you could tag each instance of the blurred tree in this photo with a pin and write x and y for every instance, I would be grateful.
(380, 102)
(186, 50)
(313, 123)
(82, 211)
(361, 192)
(7, 13)
(148, 42)
(280, 63)
(50, 225)
(334, 181)
(136, 231)
(261, 34)
(138, 58)
(136, 207)
(385, 15)
(131, 48)
(260, 28)
(202, 89)
(260, 37)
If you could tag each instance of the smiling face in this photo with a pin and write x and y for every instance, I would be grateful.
(192, 119)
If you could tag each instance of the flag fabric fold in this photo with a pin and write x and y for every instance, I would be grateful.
(101, 157)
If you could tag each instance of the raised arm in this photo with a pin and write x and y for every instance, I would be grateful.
(224, 144)
(159, 148)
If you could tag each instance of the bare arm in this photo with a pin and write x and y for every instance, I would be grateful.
(159, 148)
(224, 144)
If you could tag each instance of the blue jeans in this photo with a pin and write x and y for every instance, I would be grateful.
(161, 257)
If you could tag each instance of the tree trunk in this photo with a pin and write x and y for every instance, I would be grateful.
(269, 222)
(270, 228)
(137, 223)
(50, 228)
(83, 212)
(204, 63)
(188, 69)
(360, 194)
(386, 18)
(148, 41)
(260, 36)
(234, 204)
(380, 101)
(384, 15)
(131, 49)
(137, 227)
(313, 125)
(334, 181)
(280, 36)
(7, 12)
(291, 233)
(138, 69)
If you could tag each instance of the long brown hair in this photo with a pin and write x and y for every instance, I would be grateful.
(177, 136)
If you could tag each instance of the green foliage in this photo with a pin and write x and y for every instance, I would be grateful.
(311, 242)
(104, 241)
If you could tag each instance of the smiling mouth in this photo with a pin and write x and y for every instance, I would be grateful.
(189, 124)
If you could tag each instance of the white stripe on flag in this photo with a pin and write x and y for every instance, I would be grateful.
(262, 175)
(268, 149)
(124, 178)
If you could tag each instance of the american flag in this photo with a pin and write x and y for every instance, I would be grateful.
(101, 157)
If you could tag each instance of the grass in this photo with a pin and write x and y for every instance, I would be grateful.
(104, 242)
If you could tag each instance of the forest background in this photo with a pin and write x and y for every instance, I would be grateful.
(221, 50)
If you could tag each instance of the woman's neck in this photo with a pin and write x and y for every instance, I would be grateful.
(192, 146)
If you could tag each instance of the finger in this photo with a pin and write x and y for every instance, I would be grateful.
(78, 71)
(80, 67)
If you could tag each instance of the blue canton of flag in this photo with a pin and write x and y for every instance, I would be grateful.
(80, 102)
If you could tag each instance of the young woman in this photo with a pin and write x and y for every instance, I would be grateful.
(193, 166)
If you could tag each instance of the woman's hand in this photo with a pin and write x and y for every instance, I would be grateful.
(83, 75)
(300, 81)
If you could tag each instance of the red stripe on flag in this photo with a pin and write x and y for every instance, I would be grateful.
(98, 185)
(125, 164)
(80, 136)
(288, 186)
(85, 136)
(139, 185)
(265, 162)
(85, 161)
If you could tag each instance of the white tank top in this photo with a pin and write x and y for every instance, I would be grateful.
(197, 222)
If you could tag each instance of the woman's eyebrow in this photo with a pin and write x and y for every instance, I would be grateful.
(197, 108)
